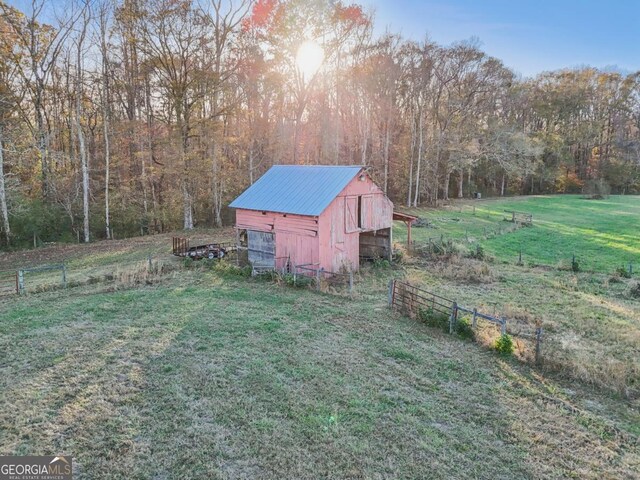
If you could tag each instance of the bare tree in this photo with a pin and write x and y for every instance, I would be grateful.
(41, 45)
(106, 110)
(79, 113)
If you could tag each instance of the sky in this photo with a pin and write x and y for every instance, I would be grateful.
(529, 36)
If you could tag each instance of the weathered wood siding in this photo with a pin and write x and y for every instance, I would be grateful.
(376, 244)
(261, 247)
(277, 222)
(295, 236)
(339, 232)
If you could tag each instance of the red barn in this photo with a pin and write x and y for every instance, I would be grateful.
(324, 216)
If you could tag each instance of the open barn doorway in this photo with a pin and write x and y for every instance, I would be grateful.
(376, 245)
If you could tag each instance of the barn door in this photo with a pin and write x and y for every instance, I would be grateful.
(366, 212)
(262, 248)
(351, 214)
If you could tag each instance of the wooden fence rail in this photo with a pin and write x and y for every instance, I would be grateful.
(412, 301)
(520, 217)
(20, 275)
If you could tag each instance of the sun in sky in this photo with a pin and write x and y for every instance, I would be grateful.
(309, 59)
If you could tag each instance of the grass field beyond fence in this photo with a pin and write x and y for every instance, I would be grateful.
(604, 235)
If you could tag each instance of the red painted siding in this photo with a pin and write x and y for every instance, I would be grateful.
(339, 232)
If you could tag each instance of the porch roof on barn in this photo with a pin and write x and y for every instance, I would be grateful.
(296, 189)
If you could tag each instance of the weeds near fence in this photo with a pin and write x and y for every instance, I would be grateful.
(464, 270)
(548, 348)
(446, 314)
(143, 271)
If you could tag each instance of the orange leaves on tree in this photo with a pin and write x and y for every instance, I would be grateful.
(262, 15)
(351, 14)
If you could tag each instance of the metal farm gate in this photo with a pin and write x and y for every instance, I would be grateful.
(8, 282)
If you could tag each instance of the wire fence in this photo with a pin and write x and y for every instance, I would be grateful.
(320, 276)
(35, 279)
(422, 304)
(8, 282)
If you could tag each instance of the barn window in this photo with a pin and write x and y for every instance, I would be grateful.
(359, 211)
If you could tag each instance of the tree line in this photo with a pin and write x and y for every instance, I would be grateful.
(133, 116)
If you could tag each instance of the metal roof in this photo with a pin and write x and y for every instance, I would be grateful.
(299, 189)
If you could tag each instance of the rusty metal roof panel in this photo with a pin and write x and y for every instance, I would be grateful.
(296, 189)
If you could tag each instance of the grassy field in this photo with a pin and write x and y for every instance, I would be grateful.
(205, 374)
(197, 372)
(603, 234)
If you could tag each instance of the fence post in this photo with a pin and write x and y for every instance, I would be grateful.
(294, 273)
(538, 340)
(452, 318)
(64, 276)
(390, 292)
(503, 326)
(150, 262)
(350, 281)
(20, 282)
(474, 320)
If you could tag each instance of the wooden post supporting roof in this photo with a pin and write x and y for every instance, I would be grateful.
(408, 221)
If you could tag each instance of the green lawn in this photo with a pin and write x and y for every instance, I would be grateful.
(208, 375)
(603, 234)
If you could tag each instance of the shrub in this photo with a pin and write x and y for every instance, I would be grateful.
(623, 272)
(463, 328)
(227, 268)
(381, 263)
(439, 248)
(477, 252)
(187, 262)
(634, 290)
(504, 344)
(301, 281)
(575, 265)
(434, 319)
